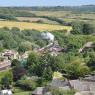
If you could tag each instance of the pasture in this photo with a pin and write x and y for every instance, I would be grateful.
(68, 16)
(36, 26)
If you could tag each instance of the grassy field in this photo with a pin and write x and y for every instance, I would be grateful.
(37, 26)
(58, 14)
(68, 16)
(3, 73)
(23, 93)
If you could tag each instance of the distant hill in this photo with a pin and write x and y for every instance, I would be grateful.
(83, 8)
(10, 13)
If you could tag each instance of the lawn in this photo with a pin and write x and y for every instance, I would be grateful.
(23, 93)
(3, 73)
(37, 26)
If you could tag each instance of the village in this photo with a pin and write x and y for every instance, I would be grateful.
(82, 86)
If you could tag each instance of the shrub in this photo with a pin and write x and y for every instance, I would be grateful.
(26, 84)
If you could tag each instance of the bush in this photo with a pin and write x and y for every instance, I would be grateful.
(26, 84)
(7, 80)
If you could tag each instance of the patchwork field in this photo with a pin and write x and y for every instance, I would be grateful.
(36, 26)
(68, 16)
(36, 20)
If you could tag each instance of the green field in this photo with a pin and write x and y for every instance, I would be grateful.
(68, 16)
(36, 26)
(23, 93)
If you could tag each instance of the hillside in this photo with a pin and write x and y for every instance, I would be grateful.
(47, 48)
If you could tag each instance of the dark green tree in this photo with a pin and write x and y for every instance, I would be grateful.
(7, 80)
(77, 27)
(88, 28)
(47, 73)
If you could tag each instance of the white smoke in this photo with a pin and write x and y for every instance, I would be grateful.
(47, 36)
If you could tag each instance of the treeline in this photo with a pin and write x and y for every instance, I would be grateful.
(7, 17)
(76, 9)
(11, 14)
(58, 20)
(26, 39)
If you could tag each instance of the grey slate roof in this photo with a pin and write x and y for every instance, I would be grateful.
(39, 91)
(90, 78)
(59, 83)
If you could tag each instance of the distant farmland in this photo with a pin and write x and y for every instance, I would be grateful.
(36, 26)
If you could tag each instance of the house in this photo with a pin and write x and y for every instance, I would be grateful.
(10, 54)
(40, 91)
(5, 64)
(86, 46)
(53, 48)
(6, 92)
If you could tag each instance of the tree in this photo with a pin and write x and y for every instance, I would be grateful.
(88, 28)
(33, 59)
(7, 80)
(15, 29)
(25, 46)
(18, 72)
(47, 73)
(76, 70)
(15, 63)
(58, 63)
(26, 84)
(77, 27)
(21, 49)
(91, 62)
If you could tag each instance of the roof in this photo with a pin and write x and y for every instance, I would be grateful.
(90, 78)
(86, 46)
(40, 91)
(5, 63)
(85, 93)
(59, 83)
(77, 85)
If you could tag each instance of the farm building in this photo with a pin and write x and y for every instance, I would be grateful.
(10, 54)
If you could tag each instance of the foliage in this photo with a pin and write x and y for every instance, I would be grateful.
(7, 80)
(88, 28)
(18, 72)
(82, 28)
(91, 62)
(47, 73)
(77, 27)
(15, 63)
(26, 84)
(75, 70)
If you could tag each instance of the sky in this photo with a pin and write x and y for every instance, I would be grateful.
(45, 2)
